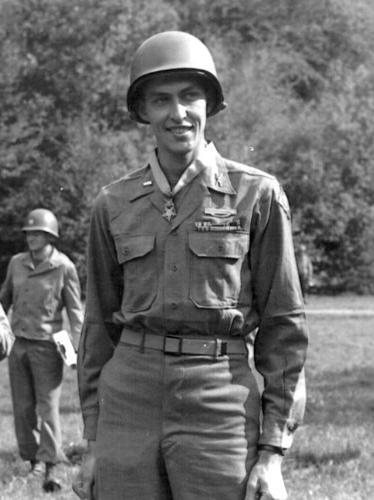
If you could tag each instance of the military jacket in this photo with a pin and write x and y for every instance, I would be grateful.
(224, 265)
(39, 294)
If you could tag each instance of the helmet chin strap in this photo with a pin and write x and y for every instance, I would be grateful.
(219, 107)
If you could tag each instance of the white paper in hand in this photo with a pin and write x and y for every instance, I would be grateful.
(66, 348)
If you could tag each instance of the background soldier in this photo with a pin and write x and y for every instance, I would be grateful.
(38, 285)
(305, 268)
(186, 257)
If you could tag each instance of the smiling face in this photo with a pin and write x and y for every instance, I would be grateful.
(176, 108)
(37, 240)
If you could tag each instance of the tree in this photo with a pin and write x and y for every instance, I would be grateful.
(297, 76)
(63, 79)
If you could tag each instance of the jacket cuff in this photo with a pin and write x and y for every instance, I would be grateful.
(278, 434)
(90, 427)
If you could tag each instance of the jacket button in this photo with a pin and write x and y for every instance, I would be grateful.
(126, 251)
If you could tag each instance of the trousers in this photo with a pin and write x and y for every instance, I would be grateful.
(175, 427)
(36, 373)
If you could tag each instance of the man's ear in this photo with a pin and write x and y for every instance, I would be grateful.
(140, 108)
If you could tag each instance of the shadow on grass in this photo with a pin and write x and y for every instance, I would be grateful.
(341, 398)
(73, 452)
(321, 460)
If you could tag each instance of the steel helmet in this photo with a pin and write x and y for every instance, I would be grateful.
(41, 219)
(173, 51)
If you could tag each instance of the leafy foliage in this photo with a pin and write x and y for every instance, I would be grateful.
(297, 76)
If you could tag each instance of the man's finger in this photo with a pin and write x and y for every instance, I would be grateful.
(252, 493)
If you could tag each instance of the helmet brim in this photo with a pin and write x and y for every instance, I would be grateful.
(210, 82)
(26, 229)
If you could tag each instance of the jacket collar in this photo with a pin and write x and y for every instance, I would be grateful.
(143, 185)
(53, 261)
(214, 174)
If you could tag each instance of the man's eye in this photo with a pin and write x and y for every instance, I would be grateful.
(192, 96)
(160, 100)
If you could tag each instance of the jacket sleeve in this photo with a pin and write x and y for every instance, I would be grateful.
(6, 335)
(103, 299)
(6, 292)
(72, 300)
(282, 338)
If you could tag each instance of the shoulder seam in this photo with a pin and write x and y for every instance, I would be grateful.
(134, 174)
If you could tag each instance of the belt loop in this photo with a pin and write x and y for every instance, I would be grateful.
(142, 345)
(217, 350)
(220, 348)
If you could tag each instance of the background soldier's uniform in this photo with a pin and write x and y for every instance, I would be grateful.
(37, 296)
(305, 268)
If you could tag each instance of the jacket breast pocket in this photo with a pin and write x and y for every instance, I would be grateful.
(216, 264)
(137, 256)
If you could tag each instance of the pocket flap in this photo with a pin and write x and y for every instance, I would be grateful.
(132, 247)
(224, 245)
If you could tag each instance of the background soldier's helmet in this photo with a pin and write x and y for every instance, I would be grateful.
(41, 219)
(171, 52)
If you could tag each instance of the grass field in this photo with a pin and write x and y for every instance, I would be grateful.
(333, 453)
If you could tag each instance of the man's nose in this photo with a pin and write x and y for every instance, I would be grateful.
(178, 111)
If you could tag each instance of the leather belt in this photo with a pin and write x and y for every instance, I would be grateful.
(179, 345)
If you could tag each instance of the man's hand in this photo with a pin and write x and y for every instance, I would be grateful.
(265, 480)
(84, 482)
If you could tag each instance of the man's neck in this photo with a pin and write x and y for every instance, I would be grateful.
(40, 255)
(173, 166)
(173, 176)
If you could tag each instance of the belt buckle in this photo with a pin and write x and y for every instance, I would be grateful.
(220, 348)
(170, 350)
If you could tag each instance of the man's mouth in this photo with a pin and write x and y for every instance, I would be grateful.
(180, 130)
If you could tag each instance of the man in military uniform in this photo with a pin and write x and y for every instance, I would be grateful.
(186, 257)
(39, 284)
(305, 268)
